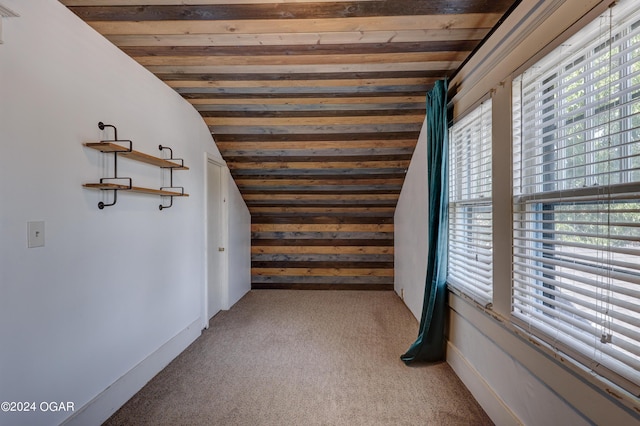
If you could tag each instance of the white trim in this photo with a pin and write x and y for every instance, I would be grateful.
(106, 403)
(502, 216)
(205, 264)
(492, 404)
(224, 226)
(215, 160)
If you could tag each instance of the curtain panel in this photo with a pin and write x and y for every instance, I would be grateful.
(430, 344)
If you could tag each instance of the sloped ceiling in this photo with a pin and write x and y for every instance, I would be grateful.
(316, 107)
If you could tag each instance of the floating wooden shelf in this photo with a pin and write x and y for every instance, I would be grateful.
(123, 151)
(112, 186)
(124, 148)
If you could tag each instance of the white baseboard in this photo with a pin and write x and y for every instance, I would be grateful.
(495, 408)
(100, 408)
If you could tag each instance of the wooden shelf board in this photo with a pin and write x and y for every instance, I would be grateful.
(113, 186)
(106, 146)
(134, 155)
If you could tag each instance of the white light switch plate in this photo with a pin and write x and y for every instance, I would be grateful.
(35, 234)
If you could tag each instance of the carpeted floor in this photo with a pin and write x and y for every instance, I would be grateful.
(281, 357)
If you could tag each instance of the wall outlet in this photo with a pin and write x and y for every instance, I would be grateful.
(35, 234)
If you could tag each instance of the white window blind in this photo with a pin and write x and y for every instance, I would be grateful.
(576, 261)
(470, 208)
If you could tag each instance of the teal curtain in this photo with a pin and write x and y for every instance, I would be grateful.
(430, 344)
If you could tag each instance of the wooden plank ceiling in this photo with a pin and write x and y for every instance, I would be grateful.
(316, 107)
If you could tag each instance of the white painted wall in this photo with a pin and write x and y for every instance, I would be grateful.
(411, 230)
(515, 381)
(114, 294)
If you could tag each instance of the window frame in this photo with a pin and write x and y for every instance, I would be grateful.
(548, 195)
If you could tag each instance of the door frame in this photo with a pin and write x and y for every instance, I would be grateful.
(223, 274)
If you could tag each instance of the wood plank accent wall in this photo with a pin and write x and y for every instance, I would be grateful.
(337, 248)
(321, 181)
(322, 200)
(323, 217)
(316, 106)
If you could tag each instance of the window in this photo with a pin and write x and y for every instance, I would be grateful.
(470, 210)
(576, 260)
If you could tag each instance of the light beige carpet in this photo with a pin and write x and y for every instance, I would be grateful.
(292, 357)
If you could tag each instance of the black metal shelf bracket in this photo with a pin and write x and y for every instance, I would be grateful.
(101, 204)
(171, 187)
